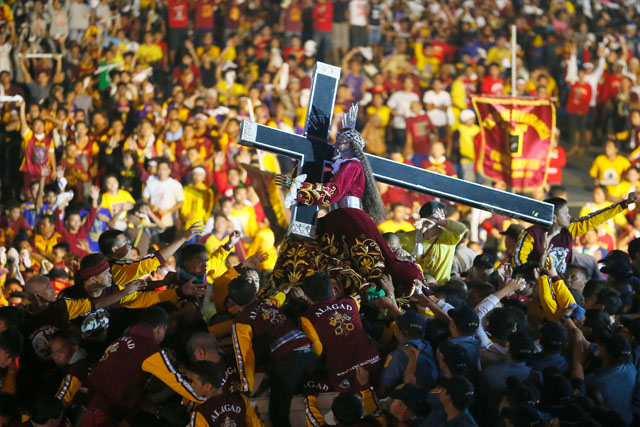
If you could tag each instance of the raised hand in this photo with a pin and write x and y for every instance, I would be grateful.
(59, 172)
(45, 171)
(95, 193)
(255, 260)
(234, 238)
(197, 229)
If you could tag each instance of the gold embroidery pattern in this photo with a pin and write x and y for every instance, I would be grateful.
(368, 257)
(314, 193)
(299, 259)
(341, 324)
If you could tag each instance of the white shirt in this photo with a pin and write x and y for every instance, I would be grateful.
(165, 195)
(442, 99)
(358, 13)
(401, 102)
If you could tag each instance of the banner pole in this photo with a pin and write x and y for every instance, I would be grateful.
(513, 60)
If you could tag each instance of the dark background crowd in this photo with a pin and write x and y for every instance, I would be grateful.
(124, 189)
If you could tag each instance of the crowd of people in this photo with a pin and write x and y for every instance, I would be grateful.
(144, 282)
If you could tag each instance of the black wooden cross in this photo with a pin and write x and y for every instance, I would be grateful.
(313, 150)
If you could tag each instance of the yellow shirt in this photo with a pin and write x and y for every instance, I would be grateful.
(116, 203)
(148, 53)
(384, 113)
(264, 242)
(458, 97)
(198, 204)
(45, 245)
(389, 226)
(436, 257)
(246, 216)
(236, 90)
(422, 60)
(212, 244)
(213, 51)
(496, 55)
(623, 189)
(467, 136)
(609, 172)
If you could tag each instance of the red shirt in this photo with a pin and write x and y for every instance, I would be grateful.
(579, 98)
(323, 16)
(491, 86)
(445, 168)
(204, 14)
(178, 13)
(610, 87)
(557, 162)
(419, 127)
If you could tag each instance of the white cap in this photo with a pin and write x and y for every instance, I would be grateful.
(199, 170)
(587, 65)
(201, 116)
(310, 48)
(466, 115)
(228, 64)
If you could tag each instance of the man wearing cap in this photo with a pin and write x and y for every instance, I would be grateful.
(409, 332)
(456, 398)
(406, 402)
(434, 242)
(521, 348)
(463, 325)
(553, 338)
(334, 328)
(511, 235)
(619, 276)
(616, 379)
(481, 269)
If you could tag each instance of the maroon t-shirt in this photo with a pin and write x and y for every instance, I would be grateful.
(345, 343)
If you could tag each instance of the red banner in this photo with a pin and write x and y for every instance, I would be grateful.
(515, 141)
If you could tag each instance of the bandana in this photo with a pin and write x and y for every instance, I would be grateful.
(89, 272)
(186, 275)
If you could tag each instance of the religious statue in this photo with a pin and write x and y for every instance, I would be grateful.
(348, 234)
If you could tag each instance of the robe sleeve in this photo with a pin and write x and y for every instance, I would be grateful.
(326, 194)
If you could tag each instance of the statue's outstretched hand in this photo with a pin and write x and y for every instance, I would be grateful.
(283, 180)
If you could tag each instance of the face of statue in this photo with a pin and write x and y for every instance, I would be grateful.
(343, 148)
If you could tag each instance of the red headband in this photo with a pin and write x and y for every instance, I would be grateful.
(89, 272)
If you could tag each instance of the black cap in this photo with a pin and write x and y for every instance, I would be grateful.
(616, 255)
(553, 334)
(454, 357)
(428, 209)
(412, 324)
(521, 346)
(522, 416)
(408, 394)
(465, 319)
(483, 261)
(557, 388)
(459, 389)
(634, 246)
(513, 231)
(617, 346)
(621, 271)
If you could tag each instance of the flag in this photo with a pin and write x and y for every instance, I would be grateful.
(270, 198)
(516, 140)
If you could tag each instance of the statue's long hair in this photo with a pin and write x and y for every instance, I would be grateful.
(371, 201)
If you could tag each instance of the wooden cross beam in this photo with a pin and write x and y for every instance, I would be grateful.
(313, 151)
